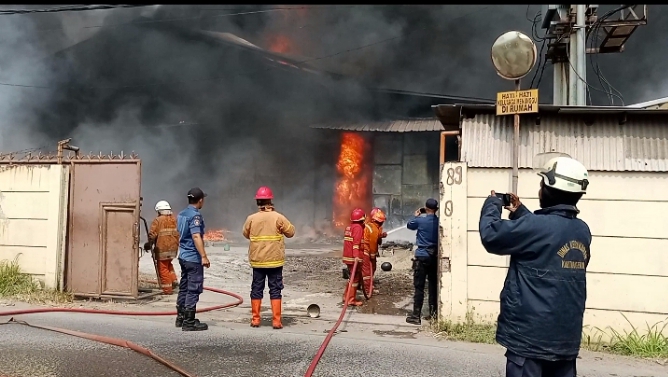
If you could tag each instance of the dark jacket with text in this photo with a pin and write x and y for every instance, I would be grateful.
(543, 297)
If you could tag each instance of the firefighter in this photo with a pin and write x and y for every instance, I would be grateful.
(371, 240)
(164, 238)
(193, 260)
(543, 297)
(266, 253)
(379, 220)
(352, 243)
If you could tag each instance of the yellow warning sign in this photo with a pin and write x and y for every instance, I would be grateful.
(517, 102)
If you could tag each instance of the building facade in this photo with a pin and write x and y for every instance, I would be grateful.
(626, 153)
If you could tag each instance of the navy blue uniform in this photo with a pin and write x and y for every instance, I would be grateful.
(190, 222)
(543, 297)
(425, 266)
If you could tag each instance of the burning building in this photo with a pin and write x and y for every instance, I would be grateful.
(391, 163)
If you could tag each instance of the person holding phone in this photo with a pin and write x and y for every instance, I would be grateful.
(425, 262)
(543, 297)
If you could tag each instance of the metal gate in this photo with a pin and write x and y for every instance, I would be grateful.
(103, 230)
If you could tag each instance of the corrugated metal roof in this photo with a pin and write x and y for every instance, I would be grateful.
(410, 125)
(641, 144)
(660, 103)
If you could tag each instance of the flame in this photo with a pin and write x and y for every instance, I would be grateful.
(215, 235)
(352, 187)
(281, 44)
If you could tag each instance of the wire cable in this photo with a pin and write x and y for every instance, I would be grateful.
(70, 9)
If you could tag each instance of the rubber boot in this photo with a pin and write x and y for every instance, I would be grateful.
(352, 298)
(179, 316)
(190, 323)
(276, 313)
(256, 305)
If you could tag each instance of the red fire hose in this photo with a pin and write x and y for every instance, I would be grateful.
(121, 342)
(149, 353)
(325, 343)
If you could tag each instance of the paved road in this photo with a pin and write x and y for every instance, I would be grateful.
(234, 349)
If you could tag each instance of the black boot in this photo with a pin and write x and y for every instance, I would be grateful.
(432, 313)
(190, 323)
(179, 316)
(414, 319)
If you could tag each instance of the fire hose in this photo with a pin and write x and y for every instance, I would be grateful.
(115, 341)
(325, 343)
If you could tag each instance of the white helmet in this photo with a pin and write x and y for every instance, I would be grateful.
(565, 174)
(162, 205)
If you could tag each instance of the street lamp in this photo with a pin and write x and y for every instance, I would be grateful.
(514, 55)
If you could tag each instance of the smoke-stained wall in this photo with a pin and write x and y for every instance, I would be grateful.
(204, 114)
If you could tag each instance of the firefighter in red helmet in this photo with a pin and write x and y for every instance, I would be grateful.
(266, 253)
(373, 237)
(352, 245)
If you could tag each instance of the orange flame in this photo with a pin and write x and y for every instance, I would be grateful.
(281, 44)
(352, 187)
(215, 235)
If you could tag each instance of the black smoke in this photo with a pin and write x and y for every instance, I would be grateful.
(202, 112)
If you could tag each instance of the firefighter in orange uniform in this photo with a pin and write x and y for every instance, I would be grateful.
(265, 230)
(373, 236)
(164, 236)
(352, 244)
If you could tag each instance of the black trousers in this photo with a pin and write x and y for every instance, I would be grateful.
(518, 366)
(191, 284)
(275, 280)
(425, 269)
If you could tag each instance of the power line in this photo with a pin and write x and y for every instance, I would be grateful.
(70, 9)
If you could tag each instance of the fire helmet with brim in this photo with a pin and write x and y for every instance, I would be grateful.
(162, 205)
(377, 215)
(565, 174)
(357, 215)
(264, 192)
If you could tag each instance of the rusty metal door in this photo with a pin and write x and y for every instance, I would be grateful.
(103, 234)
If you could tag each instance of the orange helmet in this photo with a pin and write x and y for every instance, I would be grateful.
(377, 215)
(357, 215)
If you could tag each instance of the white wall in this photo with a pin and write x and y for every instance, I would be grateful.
(33, 219)
(628, 272)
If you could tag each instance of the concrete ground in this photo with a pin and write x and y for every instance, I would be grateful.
(373, 340)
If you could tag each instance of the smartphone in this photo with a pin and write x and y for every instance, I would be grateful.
(423, 210)
(505, 198)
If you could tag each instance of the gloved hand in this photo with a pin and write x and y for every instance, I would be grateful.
(383, 235)
(147, 246)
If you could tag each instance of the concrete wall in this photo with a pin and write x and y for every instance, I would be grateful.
(33, 219)
(628, 272)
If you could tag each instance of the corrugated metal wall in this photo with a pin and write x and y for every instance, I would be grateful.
(405, 173)
(641, 144)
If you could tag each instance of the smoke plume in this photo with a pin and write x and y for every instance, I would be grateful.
(201, 112)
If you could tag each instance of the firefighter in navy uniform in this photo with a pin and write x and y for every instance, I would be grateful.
(543, 297)
(266, 253)
(352, 252)
(193, 260)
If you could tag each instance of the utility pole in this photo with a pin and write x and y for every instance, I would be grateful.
(566, 31)
(577, 75)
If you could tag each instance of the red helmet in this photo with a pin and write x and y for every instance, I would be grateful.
(264, 192)
(357, 215)
(377, 215)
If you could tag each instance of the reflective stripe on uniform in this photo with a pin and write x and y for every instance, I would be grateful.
(367, 254)
(348, 259)
(266, 238)
(355, 285)
(366, 277)
(356, 246)
(348, 239)
(269, 264)
(168, 230)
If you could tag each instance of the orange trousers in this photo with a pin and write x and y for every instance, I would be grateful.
(167, 276)
(368, 271)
